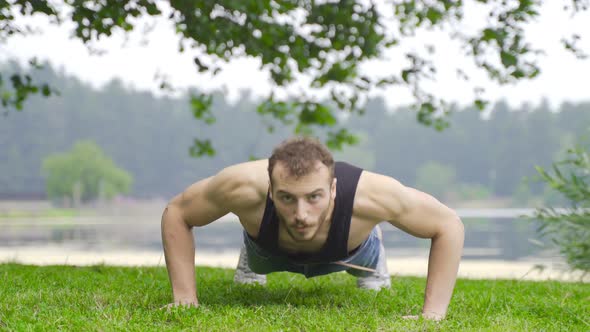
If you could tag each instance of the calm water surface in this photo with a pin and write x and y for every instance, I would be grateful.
(490, 234)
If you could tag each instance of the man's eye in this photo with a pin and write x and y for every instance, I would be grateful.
(314, 197)
(287, 199)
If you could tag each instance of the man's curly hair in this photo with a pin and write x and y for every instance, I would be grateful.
(300, 155)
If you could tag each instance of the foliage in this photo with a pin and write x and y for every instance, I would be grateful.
(569, 228)
(360, 154)
(436, 179)
(495, 153)
(468, 191)
(85, 172)
(441, 181)
(326, 41)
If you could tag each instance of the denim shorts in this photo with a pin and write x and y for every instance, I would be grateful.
(369, 254)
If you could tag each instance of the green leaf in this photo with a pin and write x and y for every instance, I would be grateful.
(201, 107)
(200, 65)
(489, 34)
(46, 90)
(433, 15)
(282, 111)
(336, 139)
(508, 59)
(406, 75)
(481, 104)
(202, 148)
(317, 114)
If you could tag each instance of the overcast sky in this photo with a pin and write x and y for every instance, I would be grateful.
(563, 76)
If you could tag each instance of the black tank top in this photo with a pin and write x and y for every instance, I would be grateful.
(336, 246)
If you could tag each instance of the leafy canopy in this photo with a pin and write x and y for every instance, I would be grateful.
(326, 41)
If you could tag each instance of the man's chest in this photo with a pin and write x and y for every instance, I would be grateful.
(359, 231)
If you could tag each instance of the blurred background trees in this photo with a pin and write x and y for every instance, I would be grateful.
(83, 174)
(321, 45)
(150, 138)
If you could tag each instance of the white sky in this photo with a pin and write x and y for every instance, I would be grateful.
(563, 77)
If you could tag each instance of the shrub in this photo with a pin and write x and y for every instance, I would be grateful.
(85, 174)
(569, 227)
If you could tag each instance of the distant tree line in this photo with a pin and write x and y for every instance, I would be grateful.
(150, 137)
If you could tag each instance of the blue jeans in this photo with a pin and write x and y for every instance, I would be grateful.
(370, 254)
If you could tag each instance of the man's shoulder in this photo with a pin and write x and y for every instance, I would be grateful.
(373, 183)
(242, 184)
(250, 173)
(378, 196)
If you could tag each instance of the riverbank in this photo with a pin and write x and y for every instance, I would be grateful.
(398, 266)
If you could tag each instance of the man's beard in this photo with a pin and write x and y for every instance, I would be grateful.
(291, 229)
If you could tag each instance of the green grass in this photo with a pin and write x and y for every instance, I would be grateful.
(119, 298)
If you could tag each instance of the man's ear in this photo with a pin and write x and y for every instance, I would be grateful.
(333, 188)
(270, 189)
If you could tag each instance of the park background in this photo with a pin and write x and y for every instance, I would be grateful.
(484, 166)
(146, 98)
(110, 108)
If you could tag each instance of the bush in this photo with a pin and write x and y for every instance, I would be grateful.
(84, 174)
(435, 178)
(473, 191)
(569, 227)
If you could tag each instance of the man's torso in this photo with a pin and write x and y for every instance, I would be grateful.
(251, 217)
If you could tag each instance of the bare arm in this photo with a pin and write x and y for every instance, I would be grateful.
(444, 227)
(423, 216)
(197, 206)
(180, 256)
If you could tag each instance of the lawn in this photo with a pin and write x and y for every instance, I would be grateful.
(124, 298)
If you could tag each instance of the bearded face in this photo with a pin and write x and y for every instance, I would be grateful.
(303, 203)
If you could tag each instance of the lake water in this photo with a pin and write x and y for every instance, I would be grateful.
(497, 234)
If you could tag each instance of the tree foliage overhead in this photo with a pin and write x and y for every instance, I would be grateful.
(496, 153)
(325, 41)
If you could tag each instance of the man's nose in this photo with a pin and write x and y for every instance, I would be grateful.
(301, 211)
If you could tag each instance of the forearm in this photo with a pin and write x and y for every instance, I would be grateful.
(443, 264)
(179, 251)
